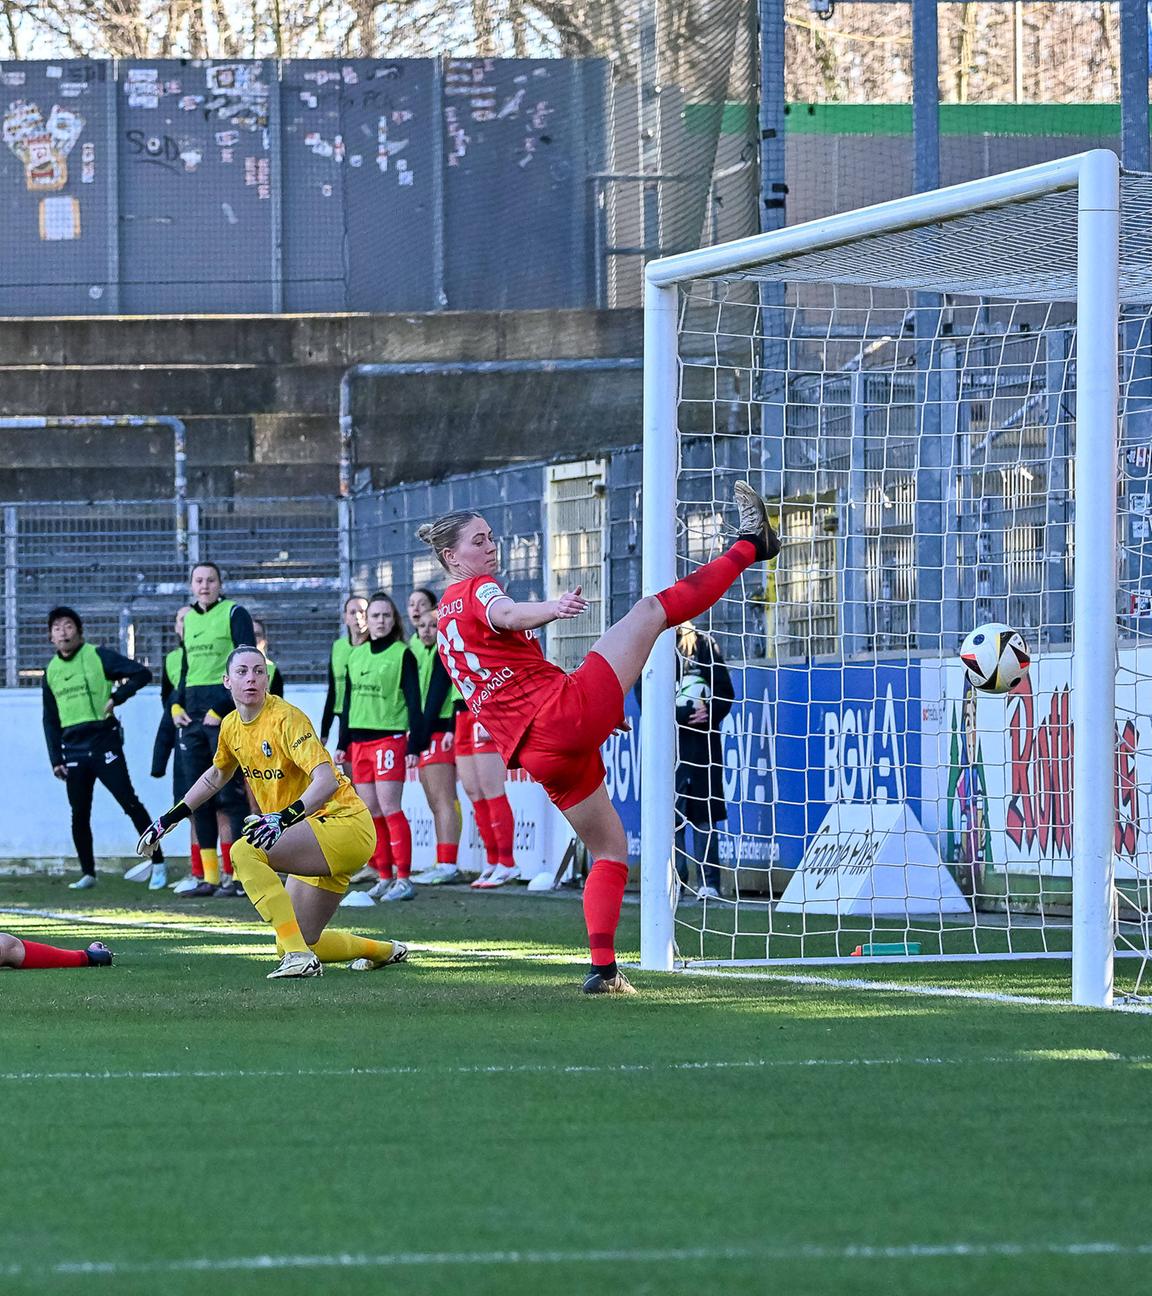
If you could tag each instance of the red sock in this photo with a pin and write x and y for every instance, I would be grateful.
(226, 858)
(50, 956)
(603, 895)
(197, 862)
(400, 832)
(382, 856)
(447, 852)
(696, 593)
(487, 836)
(503, 828)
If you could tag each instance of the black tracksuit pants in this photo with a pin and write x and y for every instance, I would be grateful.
(99, 757)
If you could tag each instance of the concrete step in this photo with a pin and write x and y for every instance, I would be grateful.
(339, 340)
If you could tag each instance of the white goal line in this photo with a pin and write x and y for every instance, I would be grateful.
(1028, 1058)
(900, 987)
(736, 1253)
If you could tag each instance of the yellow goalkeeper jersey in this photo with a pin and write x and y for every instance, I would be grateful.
(277, 752)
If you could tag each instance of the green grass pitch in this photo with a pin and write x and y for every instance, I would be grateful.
(470, 1123)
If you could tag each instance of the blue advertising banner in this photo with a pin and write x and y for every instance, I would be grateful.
(798, 739)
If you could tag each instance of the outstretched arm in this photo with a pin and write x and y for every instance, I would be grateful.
(205, 787)
(505, 614)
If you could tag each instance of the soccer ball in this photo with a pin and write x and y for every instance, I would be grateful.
(693, 689)
(995, 657)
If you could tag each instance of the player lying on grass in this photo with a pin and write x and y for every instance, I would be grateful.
(31, 956)
(550, 723)
(312, 825)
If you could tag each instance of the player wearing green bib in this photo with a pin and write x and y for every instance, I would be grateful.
(355, 633)
(380, 734)
(165, 746)
(275, 675)
(213, 626)
(82, 687)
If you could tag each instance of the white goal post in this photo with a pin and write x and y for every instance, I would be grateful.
(972, 275)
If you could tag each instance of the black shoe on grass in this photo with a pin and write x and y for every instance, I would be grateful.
(596, 983)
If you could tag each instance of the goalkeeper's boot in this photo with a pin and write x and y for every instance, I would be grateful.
(500, 876)
(229, 890)
(99, 955)
(85, 882)
(596, 983)
(399, 955)
(159, 879)
(297, 963)
(401, 889)
(754, 524)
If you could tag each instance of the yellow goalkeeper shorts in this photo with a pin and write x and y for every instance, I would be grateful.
(347, 842)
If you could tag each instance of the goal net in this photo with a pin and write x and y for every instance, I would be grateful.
(941, 396)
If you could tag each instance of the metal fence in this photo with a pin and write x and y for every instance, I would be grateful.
(121, 567)
(848, 583)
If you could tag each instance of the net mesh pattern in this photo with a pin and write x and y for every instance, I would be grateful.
(1022, 250)
(840, 783)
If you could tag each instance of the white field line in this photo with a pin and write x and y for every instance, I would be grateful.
(900, 987)
(81, 918)
(231, 929)
(560, 1069)
(811, 1252)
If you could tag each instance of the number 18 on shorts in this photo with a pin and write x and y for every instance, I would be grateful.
(379, 761)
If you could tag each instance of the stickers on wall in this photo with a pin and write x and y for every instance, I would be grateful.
(42, 146)
(59, 219)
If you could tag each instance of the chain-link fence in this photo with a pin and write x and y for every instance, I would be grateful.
(119, 565)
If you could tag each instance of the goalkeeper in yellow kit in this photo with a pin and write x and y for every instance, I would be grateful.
(312, 825)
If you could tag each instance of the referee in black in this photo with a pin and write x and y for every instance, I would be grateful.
(83, 685)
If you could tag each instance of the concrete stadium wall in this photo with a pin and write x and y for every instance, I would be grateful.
(260, 396)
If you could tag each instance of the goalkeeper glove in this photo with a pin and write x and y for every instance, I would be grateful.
(155, 830)
(265, 830)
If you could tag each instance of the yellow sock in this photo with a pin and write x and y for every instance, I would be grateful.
(211, 863)
(267, 893)
(343, 947)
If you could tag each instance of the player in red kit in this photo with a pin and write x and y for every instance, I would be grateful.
(550, 723)
(30, 955)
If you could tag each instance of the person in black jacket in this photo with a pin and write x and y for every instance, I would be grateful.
(83, 685)
(704, 696)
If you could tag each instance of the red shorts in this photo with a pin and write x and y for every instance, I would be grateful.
(440, 751)
(561, 747)
(472, 739)
(379, 761)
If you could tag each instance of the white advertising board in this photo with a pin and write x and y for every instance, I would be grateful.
(872, 859)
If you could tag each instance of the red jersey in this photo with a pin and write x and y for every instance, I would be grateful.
(503, 676)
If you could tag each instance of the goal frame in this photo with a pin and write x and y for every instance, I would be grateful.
(1095, 175)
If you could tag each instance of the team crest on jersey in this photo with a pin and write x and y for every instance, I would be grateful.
(266, 748)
